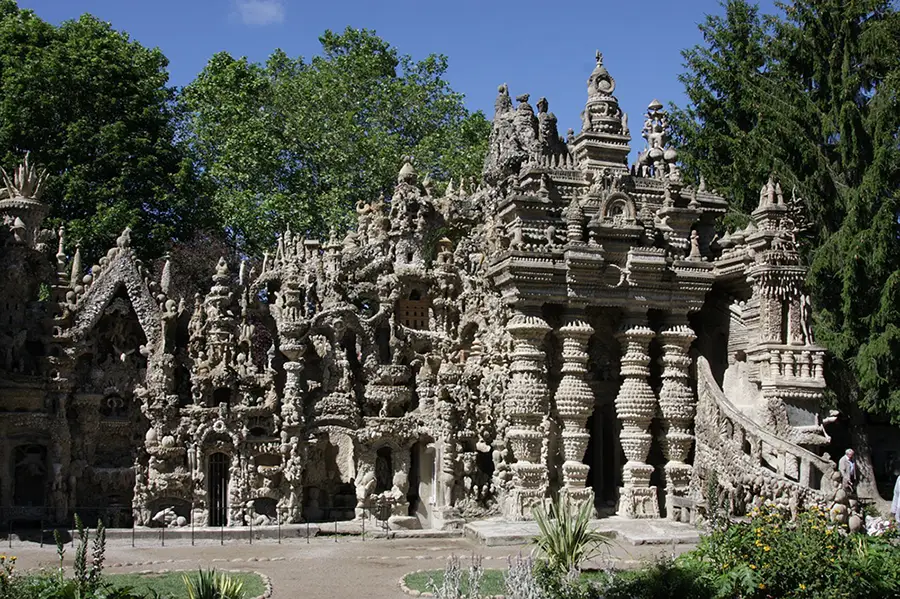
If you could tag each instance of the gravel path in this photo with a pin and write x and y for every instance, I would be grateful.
(326, 567)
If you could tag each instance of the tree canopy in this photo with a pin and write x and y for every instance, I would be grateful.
(812, 94)
(94, 108)
(242, 152)
(298, 143)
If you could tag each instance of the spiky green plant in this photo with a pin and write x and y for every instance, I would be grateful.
(209, 584)
(566, 539)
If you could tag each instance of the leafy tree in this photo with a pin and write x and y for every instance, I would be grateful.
(93, 107)
(298, 143)
(825, 98)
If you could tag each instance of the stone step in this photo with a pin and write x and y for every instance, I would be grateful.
(495, 533)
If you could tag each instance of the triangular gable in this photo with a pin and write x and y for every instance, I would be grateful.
(122, 271)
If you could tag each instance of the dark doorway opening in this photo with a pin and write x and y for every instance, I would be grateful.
(218, 489)
(29, 475)
(602, 455)
(384, 470)
(415, 465)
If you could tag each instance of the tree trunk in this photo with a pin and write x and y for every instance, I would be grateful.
(866, 489)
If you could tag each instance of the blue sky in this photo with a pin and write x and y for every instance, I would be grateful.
(541, 48)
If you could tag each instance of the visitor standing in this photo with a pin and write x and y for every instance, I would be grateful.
(847, 468)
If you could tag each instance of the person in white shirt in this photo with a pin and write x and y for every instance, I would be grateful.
(895, 504)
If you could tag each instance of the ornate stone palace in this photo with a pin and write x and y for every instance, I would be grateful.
(569, 325)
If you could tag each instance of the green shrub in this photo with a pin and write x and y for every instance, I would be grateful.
(566, 539)
(771, 556)
(662, 580)
(209, 584)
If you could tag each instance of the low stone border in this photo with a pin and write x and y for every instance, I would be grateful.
(416, 593)
(267, 582)
(178, 561)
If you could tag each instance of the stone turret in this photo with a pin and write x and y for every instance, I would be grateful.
(603, 141)
(20, 207)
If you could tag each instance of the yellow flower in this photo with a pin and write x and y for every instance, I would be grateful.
(767, 548)
(802, 587)
(762, 586)
(753, 566)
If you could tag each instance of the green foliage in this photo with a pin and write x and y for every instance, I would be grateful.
(171, 584)
(770, 556)
(298, 143)
(566, 539)
(94, 108)
(87, 580)
(812, 94)
(209, 584)
(660, 580)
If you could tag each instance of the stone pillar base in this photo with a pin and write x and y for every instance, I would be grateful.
(578, 497)
(446, 518)
(520, 502)
(638, 502)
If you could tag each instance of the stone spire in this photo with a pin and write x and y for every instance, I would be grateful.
(658, 159)
(20, 207)
(603, 141)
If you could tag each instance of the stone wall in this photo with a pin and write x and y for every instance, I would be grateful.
(550, 350)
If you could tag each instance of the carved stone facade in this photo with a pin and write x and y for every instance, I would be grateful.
(584, 332)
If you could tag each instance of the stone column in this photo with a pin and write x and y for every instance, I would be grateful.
(526, 404)
(575, 402)
(294, 446)
(678, 405)
(635, 407)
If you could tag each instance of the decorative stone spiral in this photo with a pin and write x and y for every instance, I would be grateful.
(575, 402)
(526, 405)
(635, 407)
(677, 405)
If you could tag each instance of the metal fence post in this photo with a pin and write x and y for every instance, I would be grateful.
(250, 520)
(222, 532)
(307, 532)
(133, 530)
(162, 536)
(278, 518)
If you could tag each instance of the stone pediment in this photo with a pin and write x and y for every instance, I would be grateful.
(122, 272)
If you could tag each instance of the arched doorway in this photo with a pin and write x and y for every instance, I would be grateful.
(217, 486)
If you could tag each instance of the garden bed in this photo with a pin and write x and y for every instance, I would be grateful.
(171, 584)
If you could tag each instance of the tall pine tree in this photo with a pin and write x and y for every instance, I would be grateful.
(819, 108)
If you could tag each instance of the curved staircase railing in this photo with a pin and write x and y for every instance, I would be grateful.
(751, 463)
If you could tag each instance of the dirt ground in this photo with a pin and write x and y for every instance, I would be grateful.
(326, 567)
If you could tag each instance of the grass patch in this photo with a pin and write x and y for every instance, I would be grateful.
(171, 584)
(492, 583)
